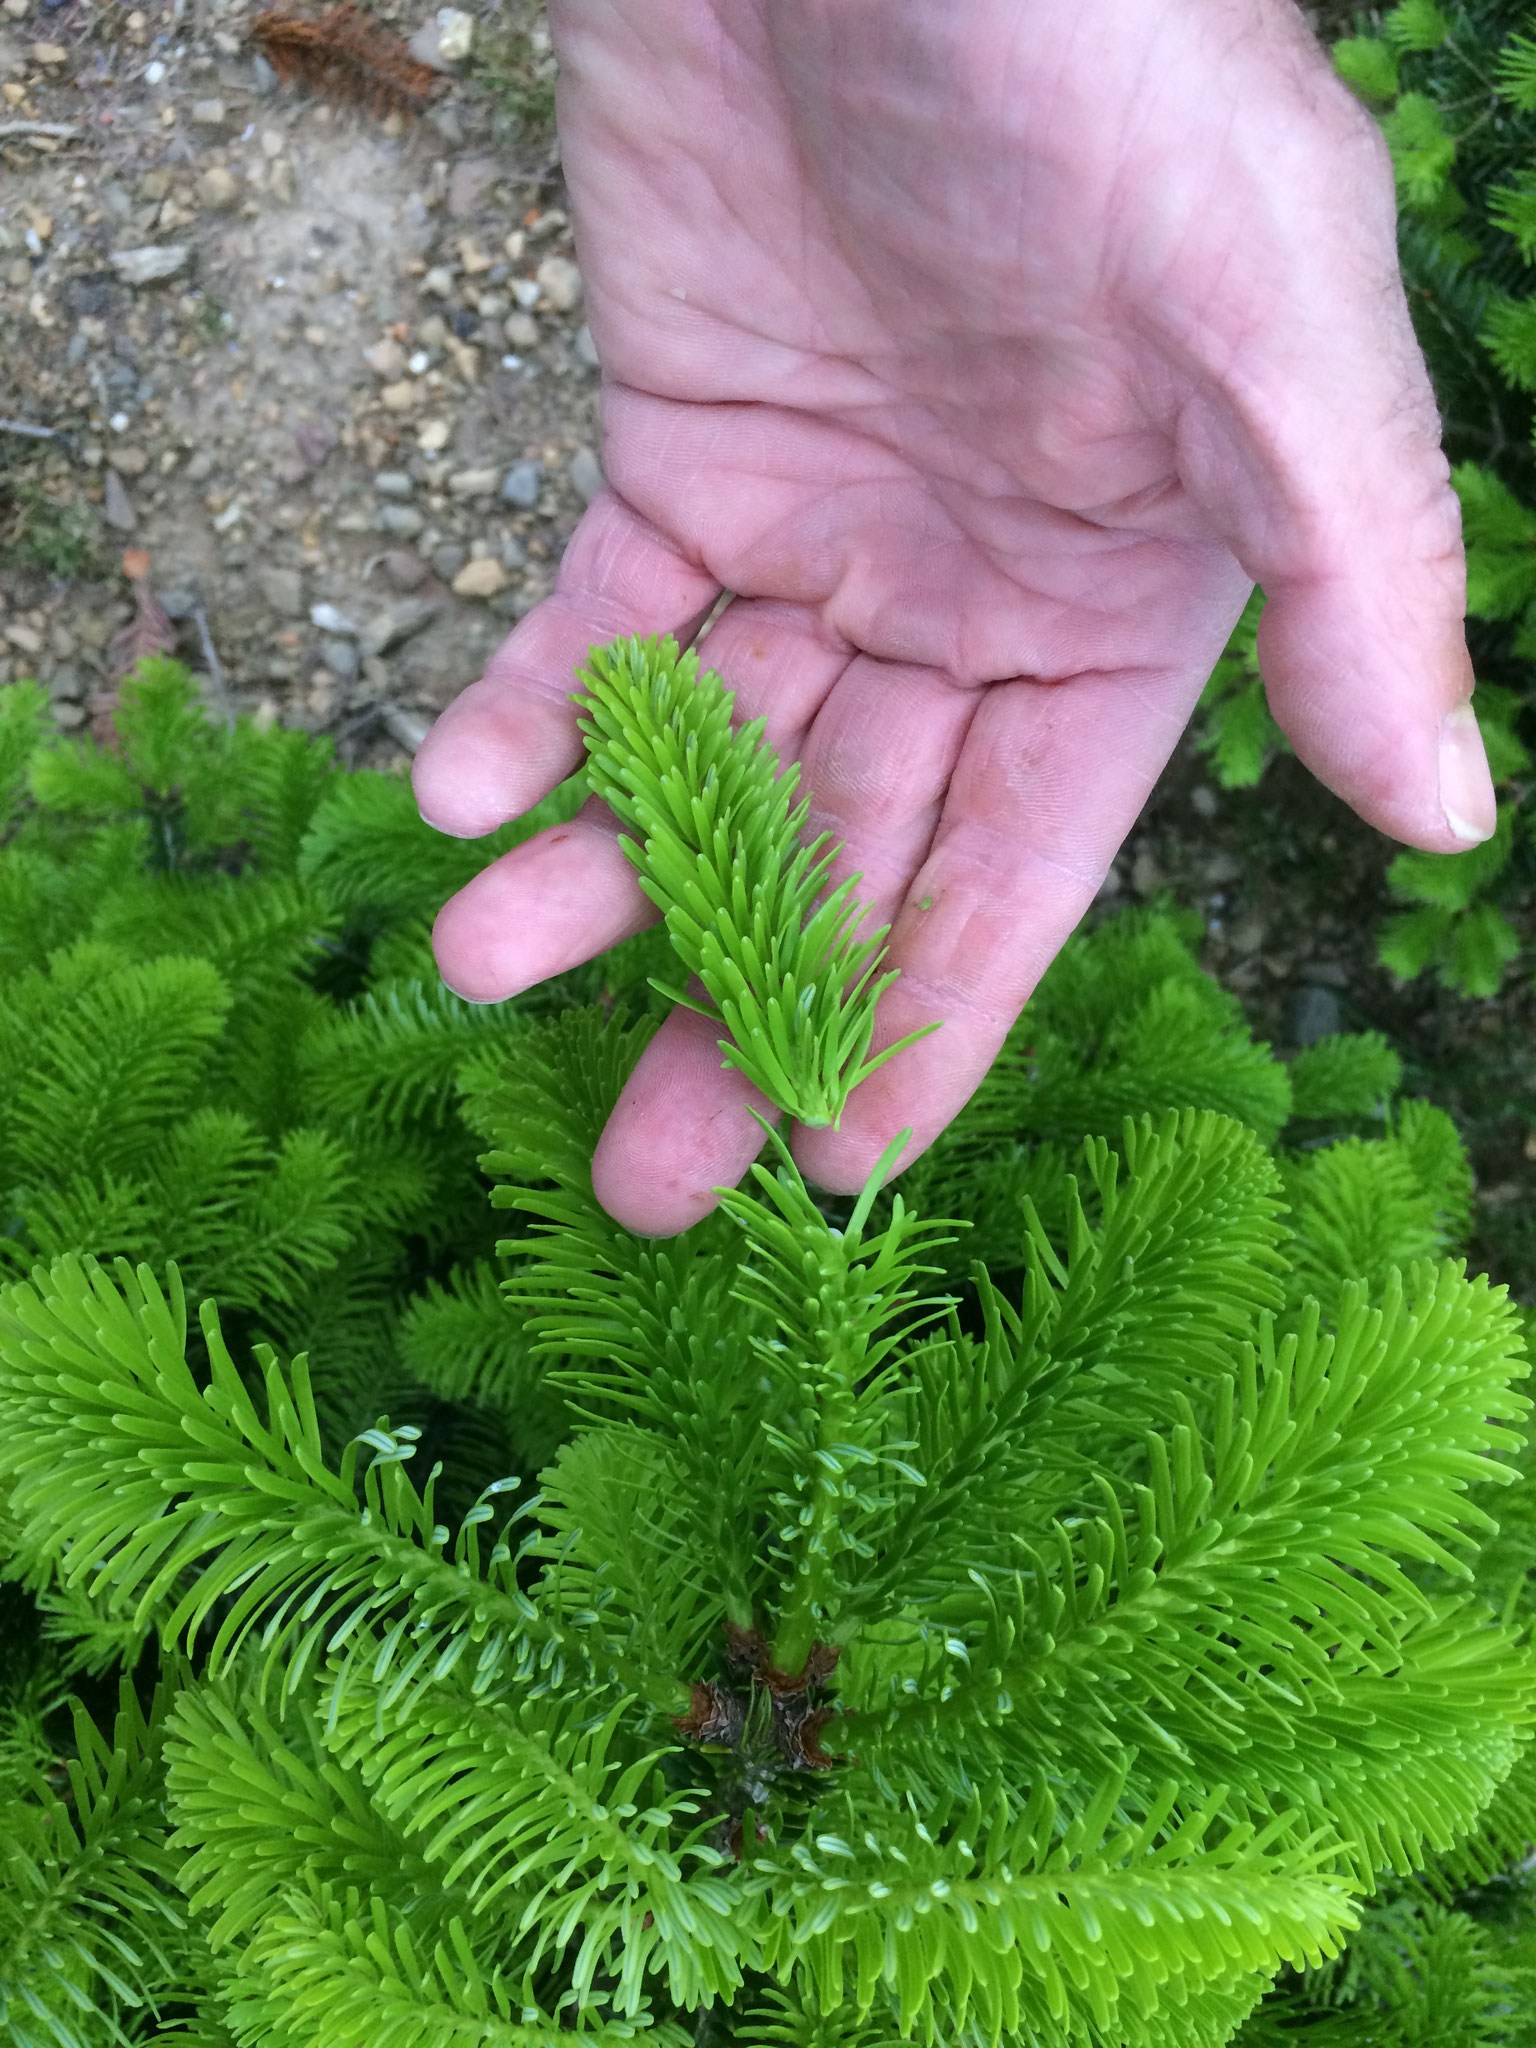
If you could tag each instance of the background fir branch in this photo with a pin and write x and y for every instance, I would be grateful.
(89, 1915)
(392, 1058)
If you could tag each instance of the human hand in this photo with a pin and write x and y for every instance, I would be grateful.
(990, 353)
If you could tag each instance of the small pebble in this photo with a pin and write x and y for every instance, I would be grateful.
(394, 483)
(482, 578)
(407, 728)
(560, 282)
(521, 330)
(340, 657)
(473, 483)
(1220, 869)
(1146, 875)
(448, 560)
(444, 41)
(217, 190)
(1316, 1013)
(403, 521)
(315, 440)
(386, 359)
(403, 569)
(586, 473)
(388, 628)
(149, 265)
(330, 620)
(206, 113)
(521, 485)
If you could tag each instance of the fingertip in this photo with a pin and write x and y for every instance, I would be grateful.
(682, 1129)
(1390, 729)
(469, 776)
(1466, 782)
(506, 741)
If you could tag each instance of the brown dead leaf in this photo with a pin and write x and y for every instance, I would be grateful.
(149, 632)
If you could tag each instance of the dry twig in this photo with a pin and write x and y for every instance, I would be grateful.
(219, 688)
(66, 131)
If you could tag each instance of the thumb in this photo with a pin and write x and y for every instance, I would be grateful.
(1322, 470)
(1369, 678)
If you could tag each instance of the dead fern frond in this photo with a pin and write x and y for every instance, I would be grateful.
(342, 55)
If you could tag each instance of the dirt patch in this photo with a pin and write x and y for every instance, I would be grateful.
(328, 367)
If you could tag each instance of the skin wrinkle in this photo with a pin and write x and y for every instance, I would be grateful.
(1068, 519)
(788, 718)
(1011, 856)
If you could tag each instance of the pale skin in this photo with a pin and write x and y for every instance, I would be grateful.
(989, 351)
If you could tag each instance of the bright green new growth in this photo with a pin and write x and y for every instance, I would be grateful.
(719, 853)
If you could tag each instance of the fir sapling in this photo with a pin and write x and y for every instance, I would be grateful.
(1048, 1648)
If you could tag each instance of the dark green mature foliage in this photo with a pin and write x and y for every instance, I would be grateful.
(1454, 89)
(1046, 1600)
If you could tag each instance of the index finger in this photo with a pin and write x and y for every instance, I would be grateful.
(510, 738)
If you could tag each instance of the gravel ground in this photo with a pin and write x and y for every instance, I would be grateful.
(329, 369)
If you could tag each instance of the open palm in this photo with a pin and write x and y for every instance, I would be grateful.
(989, 353)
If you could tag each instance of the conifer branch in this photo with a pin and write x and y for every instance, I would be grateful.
(845, 1304)
(718, 851)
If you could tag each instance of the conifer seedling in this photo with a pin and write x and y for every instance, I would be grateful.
(827, 1628)
(718, 849)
